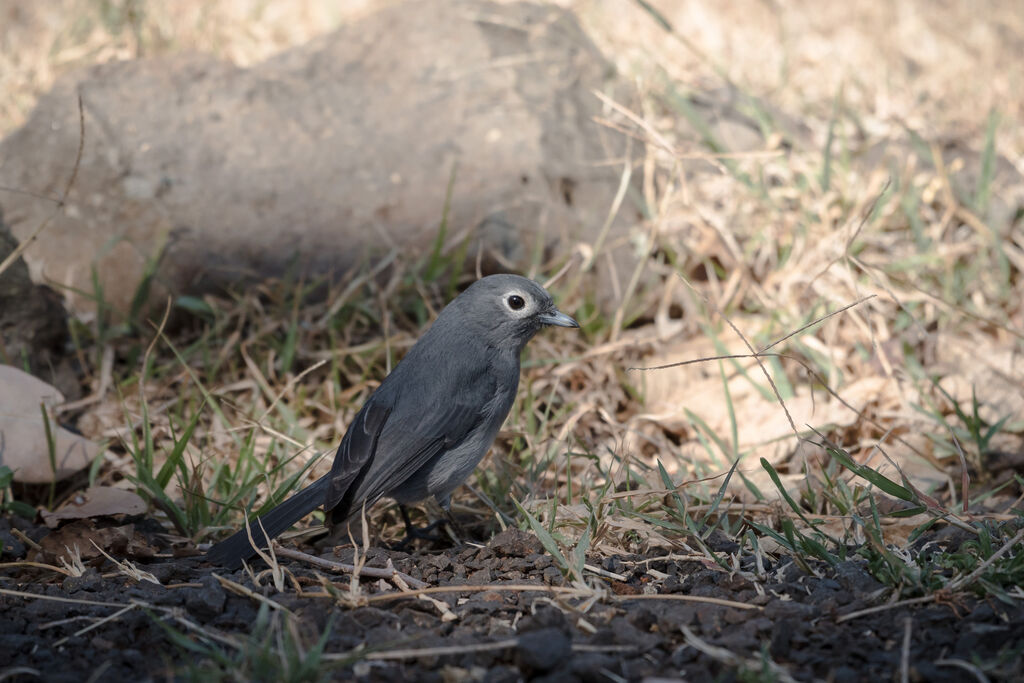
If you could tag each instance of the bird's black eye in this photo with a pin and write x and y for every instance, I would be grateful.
(516, 302)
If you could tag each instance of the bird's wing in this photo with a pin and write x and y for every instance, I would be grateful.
(386, 444)
(356, 450)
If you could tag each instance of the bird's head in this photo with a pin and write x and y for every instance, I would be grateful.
(508, 310)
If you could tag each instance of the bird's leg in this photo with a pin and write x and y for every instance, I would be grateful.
(423, 533)
(414, 532)
(453, 527)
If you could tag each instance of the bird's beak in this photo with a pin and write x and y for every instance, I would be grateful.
(556, 317)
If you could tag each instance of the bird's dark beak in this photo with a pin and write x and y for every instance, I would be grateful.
(556, 317)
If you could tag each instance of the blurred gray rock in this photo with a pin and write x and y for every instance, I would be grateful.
(325, 155)
(33, 324)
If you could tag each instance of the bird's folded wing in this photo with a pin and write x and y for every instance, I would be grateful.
(385, 445)
(356, 450)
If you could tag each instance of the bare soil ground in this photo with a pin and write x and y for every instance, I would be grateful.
(499, 611)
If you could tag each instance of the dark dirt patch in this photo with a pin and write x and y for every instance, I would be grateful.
(533, 634)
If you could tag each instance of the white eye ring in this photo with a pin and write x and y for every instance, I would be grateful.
(518, 304)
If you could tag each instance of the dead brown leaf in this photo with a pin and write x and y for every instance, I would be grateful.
(97, 501)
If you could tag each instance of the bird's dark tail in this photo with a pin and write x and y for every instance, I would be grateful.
(232, 550)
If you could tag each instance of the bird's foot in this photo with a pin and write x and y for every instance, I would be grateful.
(421, 533)
(426, 533)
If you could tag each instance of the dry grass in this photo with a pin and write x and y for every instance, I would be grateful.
(799, 158)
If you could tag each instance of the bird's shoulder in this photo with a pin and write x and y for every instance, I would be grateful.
(445, 360)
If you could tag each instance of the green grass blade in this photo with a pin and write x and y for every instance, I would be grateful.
(176, 456)
(881, 481)
(546, 539)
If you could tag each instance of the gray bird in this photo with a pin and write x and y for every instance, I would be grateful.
(431, 420)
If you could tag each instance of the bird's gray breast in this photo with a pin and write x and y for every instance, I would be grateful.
(452, 466)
